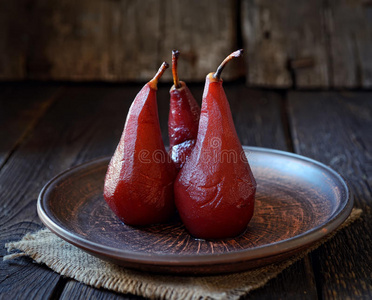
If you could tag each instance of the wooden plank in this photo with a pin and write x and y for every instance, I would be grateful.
(351, 43)
(13, 39)
(115, 40)
(82, 124)
(335, 128)
(128, 40)
(21, 107)
(95, 40)
(76, 290)
(286, 44)
(297, 282)
(204, 32)
(322, 43)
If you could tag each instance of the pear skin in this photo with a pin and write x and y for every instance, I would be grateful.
(139, 181)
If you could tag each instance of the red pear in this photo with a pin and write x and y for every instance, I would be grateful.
(183, 118)
(215, 189)
(139, 180)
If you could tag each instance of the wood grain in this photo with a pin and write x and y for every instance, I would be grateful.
(13, 42)
(325, 43)
(116, 40)
(204, 32)
(21, 107)
(21, 110)
(290, 284)
(279, 36)
(100, 40)
(335, 129)
(76, 290)
(350, 43)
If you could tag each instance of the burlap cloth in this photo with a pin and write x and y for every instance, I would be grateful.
(68, 260)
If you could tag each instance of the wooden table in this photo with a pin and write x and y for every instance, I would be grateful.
(47, 128)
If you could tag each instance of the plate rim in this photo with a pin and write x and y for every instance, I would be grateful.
(175, 260)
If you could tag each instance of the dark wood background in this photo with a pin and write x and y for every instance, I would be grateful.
(303, 44)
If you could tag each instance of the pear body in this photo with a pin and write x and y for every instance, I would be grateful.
(183, 123)
(215, 189)
(139, 180)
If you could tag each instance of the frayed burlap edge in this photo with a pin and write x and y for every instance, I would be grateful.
(68, 260)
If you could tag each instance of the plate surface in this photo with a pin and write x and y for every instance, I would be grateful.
(298, 201)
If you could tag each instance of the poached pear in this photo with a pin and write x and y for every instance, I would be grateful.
(215, 189)
(183, 118)
(139, 181)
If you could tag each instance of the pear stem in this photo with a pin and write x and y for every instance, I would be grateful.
(176, 80)
(154, 82)
(235, 54)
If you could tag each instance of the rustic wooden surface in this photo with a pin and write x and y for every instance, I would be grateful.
(350, 42)
(70, 124)
(305, 45)
(343, 121)
(279, 36)
(114, 40)
(15, 124)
